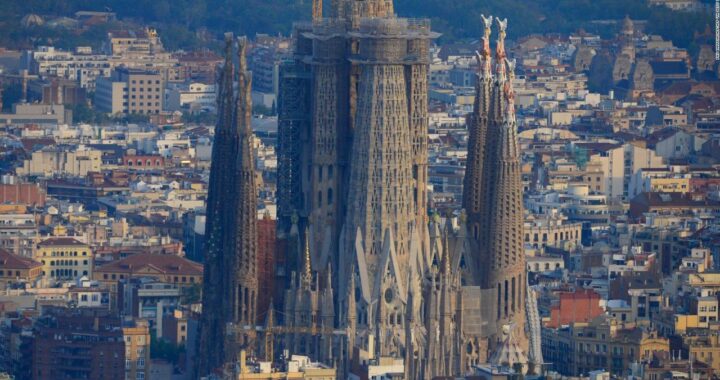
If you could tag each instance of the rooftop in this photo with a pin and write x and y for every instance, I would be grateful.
(61, 241)
(153, 263)
(11, 261)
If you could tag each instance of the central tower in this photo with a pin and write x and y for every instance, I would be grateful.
(353, 155)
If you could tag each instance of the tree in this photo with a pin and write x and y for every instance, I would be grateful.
(202, 118)
(191, 294)
(162, 349)
(134, 118)
(82, 113)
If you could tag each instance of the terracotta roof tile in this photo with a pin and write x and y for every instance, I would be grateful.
(166, 264)
(61, 241)
(11, 261)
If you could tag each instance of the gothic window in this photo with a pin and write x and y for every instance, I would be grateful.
(505, 300)
(319, 198)
(513, 294)
(389, 295)
(329, 196)
(499, 298)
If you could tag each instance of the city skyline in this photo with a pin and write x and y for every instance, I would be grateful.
(531, 192)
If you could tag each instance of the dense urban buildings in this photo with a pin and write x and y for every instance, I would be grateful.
(362, 197)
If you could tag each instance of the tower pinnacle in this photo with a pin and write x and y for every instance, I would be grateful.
(307, 267)
(317, 10)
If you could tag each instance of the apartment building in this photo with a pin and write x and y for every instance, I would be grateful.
(64, 258)
(131, 91)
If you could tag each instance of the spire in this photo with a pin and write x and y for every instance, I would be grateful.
(245, 234)
(225, 97)
(244, 99)
(317, 8)
(500, 53)
(628, 27)
(446, 248)
(328, 278)
(231, 258)
(307, 267)
(352, 311)
(510, 94)
(484, 56)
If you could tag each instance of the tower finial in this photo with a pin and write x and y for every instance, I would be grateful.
(328, 278)
(500, 53)
(317, 8)
(500, 48)
(483, 57)
(307, 270)
(487, 30)
(509, 92)
(243, 111)
(446, 246)
(242, 60)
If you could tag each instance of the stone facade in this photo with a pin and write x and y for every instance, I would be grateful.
(442, 297)
(230, 283)
(491, 258)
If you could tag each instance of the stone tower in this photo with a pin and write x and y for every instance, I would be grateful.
(353, 168)
(353, 138)
(230, 281)
(491, 259)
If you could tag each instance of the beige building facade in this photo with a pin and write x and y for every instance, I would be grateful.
(131, 91)
(64, 258)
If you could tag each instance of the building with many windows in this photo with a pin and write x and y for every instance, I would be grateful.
(131, 91)
(64, 258)
(78, 344)
(17, 269)
(603, 342)
(136, 334)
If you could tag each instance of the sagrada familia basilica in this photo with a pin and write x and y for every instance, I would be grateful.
(371, 272)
